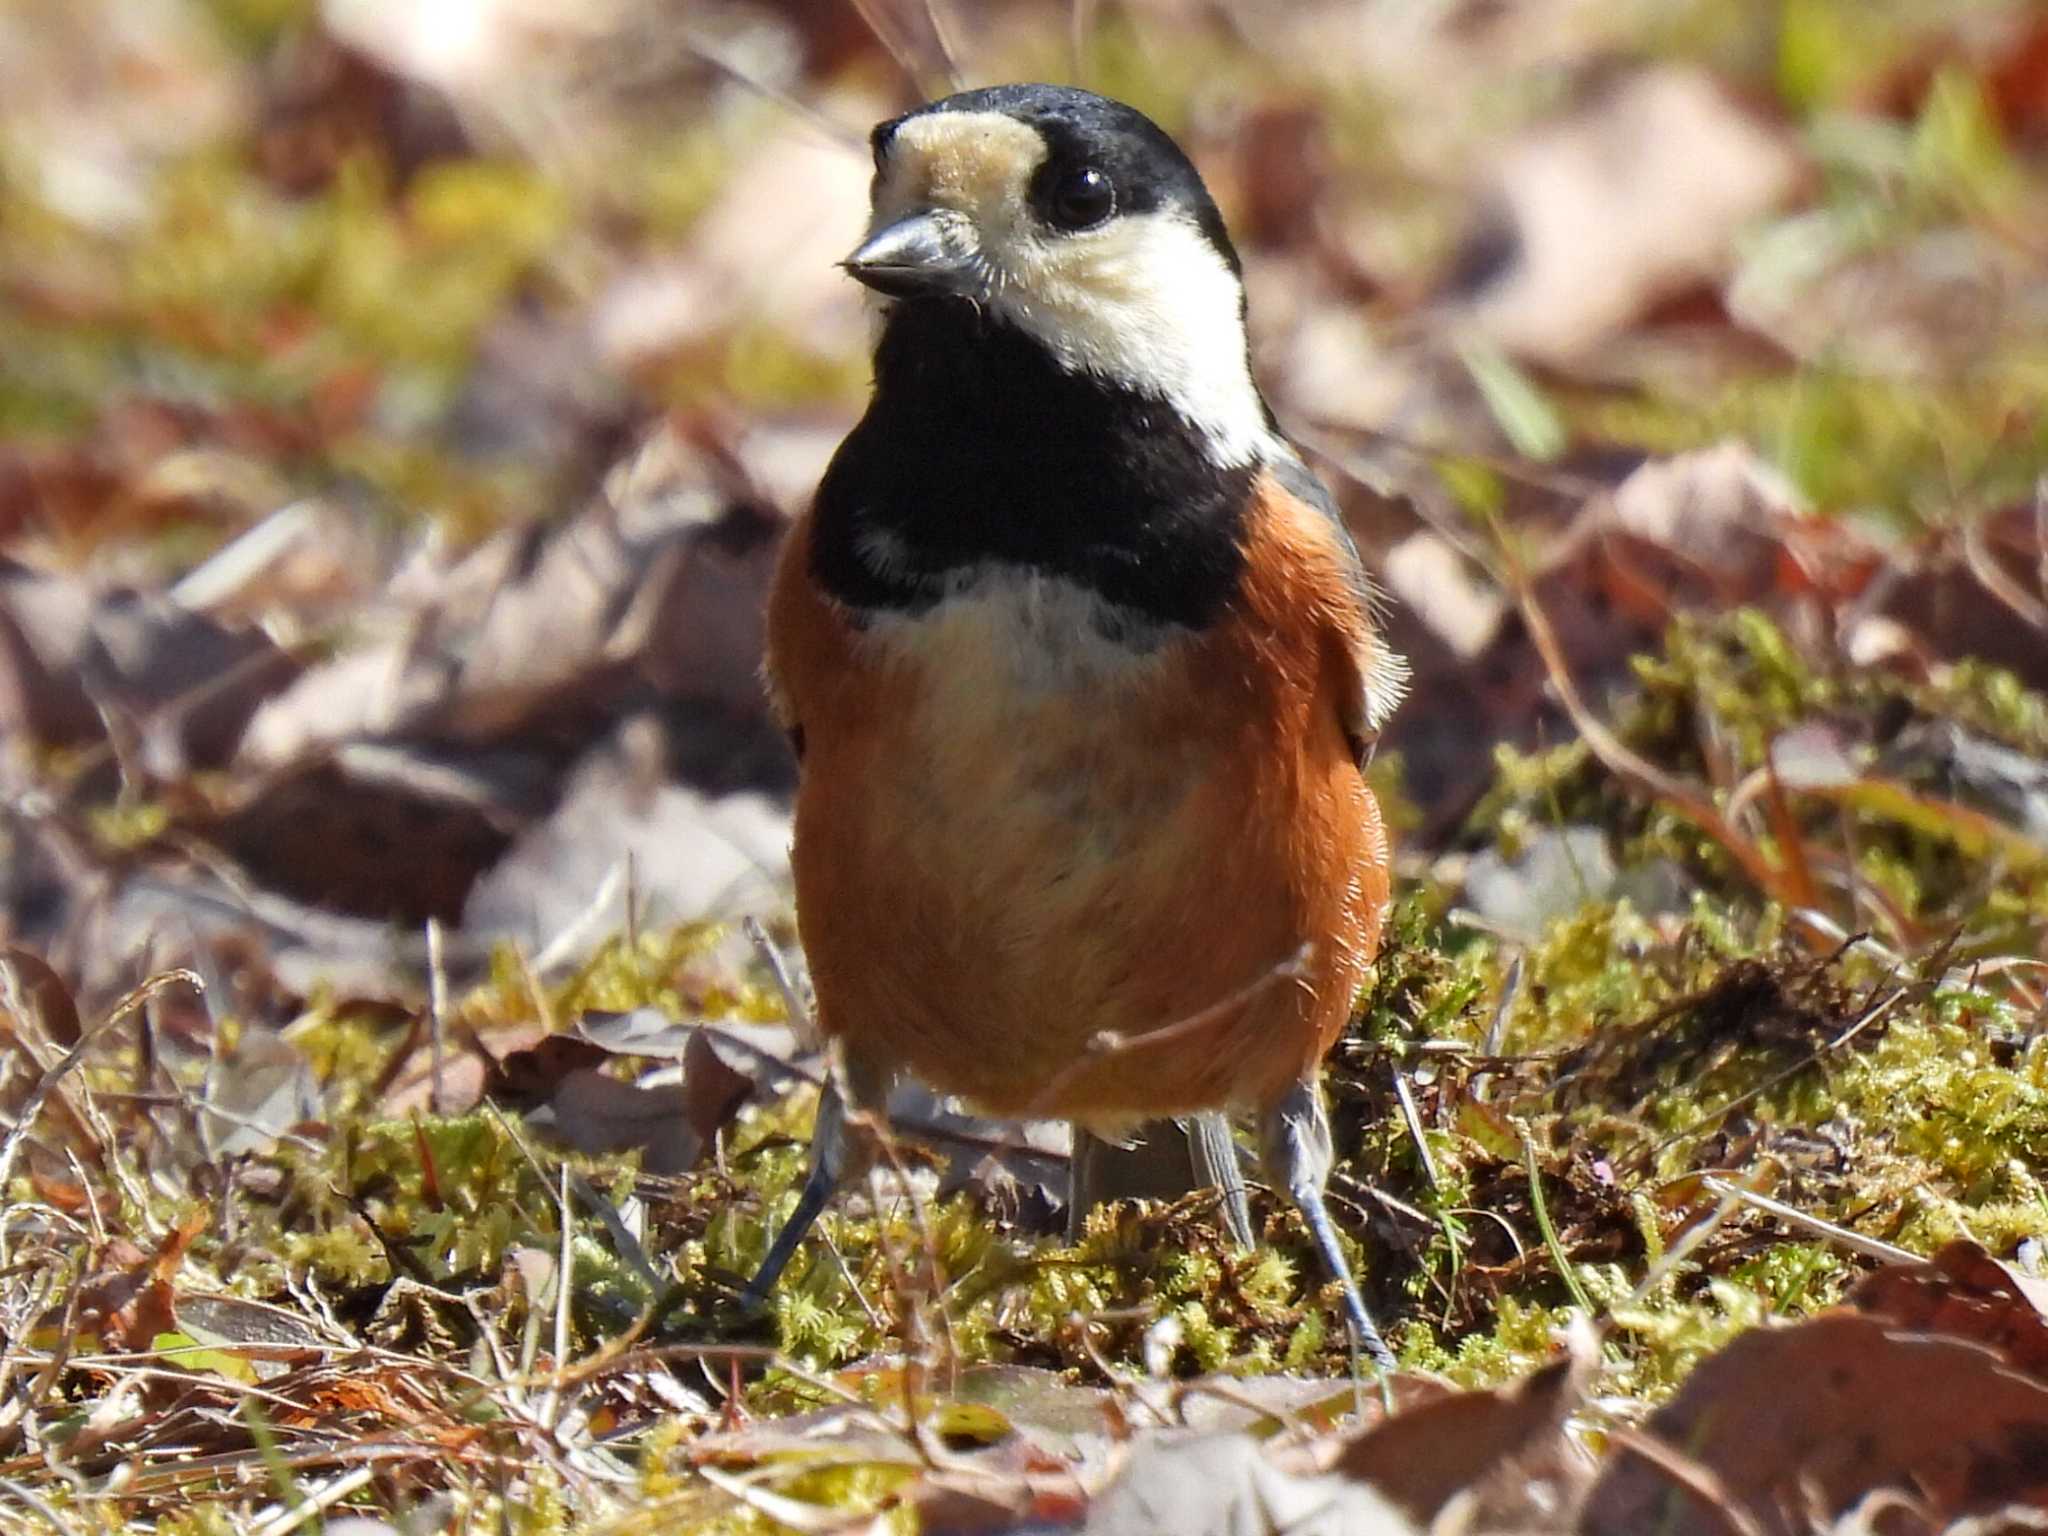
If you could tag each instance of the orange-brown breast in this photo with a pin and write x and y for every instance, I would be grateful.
(1014, 835)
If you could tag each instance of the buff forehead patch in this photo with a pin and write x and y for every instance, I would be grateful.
(963, 160)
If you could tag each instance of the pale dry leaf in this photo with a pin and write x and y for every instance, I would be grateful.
(693, 856)
(311, 557)
(1929, 304)
(765, 253)
(1641, 189)
(594, 1112)
(45, 627)
(1431, 578)
(192, 685)
(1721, 509)
(95, 98)
(254, 1092)
(362, 692)
(1552, 874)
(34, 999)
(187, 684)
(1224, 1485)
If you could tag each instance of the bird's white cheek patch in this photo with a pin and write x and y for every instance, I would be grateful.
(1150, 303)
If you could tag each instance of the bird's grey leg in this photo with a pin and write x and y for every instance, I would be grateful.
(1164, 1160)
(1217, 1167)
(1294, 1142)
(841, 1154)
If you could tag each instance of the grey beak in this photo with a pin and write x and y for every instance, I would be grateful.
(915, 255)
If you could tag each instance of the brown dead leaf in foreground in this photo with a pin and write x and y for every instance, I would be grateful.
(1457, 1445)
(1804, 1423)
(1964, 1293)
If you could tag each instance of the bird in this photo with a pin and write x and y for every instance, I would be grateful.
(1081, 668)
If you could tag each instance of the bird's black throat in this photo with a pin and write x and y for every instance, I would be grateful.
(978, 449)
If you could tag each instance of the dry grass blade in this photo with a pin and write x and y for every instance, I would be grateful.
(830, 128)
(1080, 27)
(794, 1007)
(316, 1504)
(1855, 1242)
(893, 43)
(1635, 771)
(53, 1076)
(948, 45)
(1109, 1043)
(1689, 1240)
(813, 1519)
(32, 1500)
(1992, 577)
(1411, 1116)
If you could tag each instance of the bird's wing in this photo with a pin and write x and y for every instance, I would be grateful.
(1379, 677)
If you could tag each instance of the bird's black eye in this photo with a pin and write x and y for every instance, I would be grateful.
(1081, 198)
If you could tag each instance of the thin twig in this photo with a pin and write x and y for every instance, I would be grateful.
(793, 1004)
(33, 1500)
(1992, 577)
(565, 1273)
(837, 132)
(1688, 1240)
(900, 53)
(1107, 1044)
(1412, 1118)
(780, 1508)
(1080, 27)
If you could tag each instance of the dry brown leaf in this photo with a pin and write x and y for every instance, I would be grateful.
(1443, 589)
(1425, 1456)
(1807, 1420)
(130, 1300)
(387, 834)
(765, 249)
(1983, 594)
(188, 684)
(45, 626)
(35, 995)
(560, 1086)
(192, 685)
(1964, 1293)
(254, 1092)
